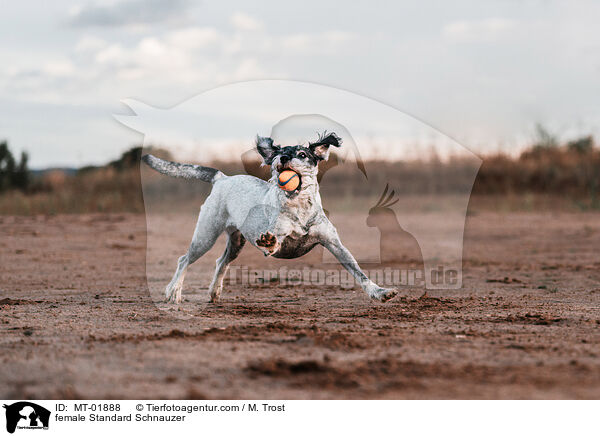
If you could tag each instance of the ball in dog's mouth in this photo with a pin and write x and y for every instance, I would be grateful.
(288, 180)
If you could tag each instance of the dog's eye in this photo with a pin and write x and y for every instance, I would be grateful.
(301, 155)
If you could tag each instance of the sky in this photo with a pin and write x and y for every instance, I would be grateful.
(483, 73)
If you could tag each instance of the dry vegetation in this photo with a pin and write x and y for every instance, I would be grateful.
(101, 190)
(547, 176)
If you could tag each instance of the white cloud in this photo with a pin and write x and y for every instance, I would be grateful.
(112, 54)
(90, 44)
(192, 38)
(127, 13)
(249, 68)
(184, 58)
(191, 55)
(59, 68)
(244, 22)
(478, 31)
(317, 43)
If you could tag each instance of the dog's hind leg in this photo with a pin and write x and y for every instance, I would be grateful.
(208, 229)
(235, 242)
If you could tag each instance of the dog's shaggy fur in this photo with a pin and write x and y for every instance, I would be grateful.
(279, 223)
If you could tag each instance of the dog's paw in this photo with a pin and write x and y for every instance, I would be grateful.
(173, 296)
(383, 294)
(174, 299)
(268, 241)
(215, 297)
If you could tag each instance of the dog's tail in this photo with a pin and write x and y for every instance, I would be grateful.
(183, 171)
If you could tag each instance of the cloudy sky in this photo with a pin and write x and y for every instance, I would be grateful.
(483, 74)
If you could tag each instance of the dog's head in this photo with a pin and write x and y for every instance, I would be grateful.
(304, 160)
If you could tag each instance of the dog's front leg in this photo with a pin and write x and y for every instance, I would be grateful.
(332, 242)
(267, 243)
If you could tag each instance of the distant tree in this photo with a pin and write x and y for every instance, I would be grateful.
(21, 175)
(131, 158)
(7, 166)
(545, 143)
(582, 145)
(13, 175)
(544, 138)
(128, 159)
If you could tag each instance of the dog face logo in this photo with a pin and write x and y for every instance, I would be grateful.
(345, 171)
(26, 415)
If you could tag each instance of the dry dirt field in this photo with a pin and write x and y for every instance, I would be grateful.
(77, 321)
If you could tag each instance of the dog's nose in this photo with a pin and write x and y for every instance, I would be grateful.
(284, 159)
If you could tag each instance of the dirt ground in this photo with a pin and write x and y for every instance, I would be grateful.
(76, 320)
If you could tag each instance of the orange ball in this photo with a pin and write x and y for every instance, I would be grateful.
(288, 180)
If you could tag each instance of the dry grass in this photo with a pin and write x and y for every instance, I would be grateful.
(543, 178)
(101, 190)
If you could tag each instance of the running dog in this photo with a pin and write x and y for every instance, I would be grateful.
(280, 223)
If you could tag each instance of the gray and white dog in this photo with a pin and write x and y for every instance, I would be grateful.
(281, 224)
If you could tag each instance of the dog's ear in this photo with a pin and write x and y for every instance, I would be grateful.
(320, 148)
(266, 149)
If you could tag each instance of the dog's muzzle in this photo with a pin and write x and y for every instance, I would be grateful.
(282, 167)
